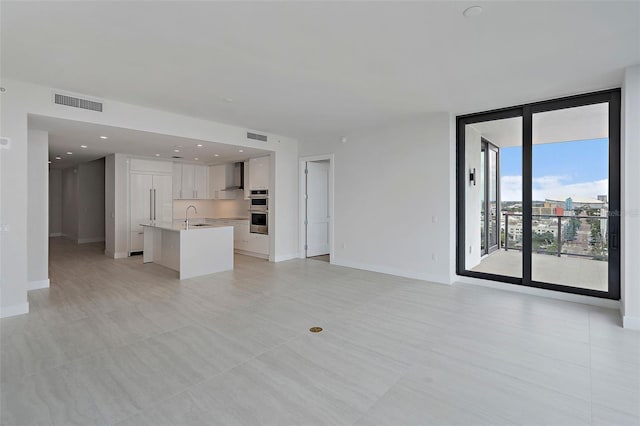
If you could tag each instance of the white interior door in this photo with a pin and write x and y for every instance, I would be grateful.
(317, 208)
(162, 185)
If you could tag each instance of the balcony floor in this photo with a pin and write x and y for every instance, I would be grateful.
(579, 272)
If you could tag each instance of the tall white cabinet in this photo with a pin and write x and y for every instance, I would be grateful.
(190, 182)
(259, 172)
(150, 197)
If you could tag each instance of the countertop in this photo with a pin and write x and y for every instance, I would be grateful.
(179, 225)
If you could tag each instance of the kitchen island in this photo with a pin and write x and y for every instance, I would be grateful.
(199, 249)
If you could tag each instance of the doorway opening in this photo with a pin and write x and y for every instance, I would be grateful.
(316, 207)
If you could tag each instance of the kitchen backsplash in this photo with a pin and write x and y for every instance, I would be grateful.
(211, 208)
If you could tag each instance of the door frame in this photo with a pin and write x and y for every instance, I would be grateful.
(486, 146)
(526, 111)
(303, 206)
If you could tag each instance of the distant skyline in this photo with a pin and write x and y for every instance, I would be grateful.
(560, 170)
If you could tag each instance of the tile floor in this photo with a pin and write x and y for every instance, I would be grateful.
(119, 342)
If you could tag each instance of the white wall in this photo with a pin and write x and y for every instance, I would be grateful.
(55, 202)
(473, 144)
(212, 209)
(70, 203)
(83, 202)
(631, 198)
(91, 198)
(392, 198)
(116, 192)
(13, 204)
(21, 99)
(109, 205)
(38, 209)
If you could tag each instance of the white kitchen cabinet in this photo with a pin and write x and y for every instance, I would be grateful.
(258, 243)
(150, 200)
(241, 235)
(259, 173)
(150, 166)
(190, 182)
(221, 177)
(201, 182)
(177, 181)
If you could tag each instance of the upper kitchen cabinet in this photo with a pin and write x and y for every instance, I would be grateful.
(221, 177)
(190, 182)
(259, 173)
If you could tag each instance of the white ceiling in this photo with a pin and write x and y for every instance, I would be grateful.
(68, 136)
(309, 69)
(571, 124)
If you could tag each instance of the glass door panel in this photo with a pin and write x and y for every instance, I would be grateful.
(493, 197)
(570, 197)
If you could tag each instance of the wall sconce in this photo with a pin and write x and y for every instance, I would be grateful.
(472, 176)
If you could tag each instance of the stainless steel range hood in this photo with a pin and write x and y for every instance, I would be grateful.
(238, 177)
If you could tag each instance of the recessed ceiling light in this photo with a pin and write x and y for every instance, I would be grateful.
(69, 153)
(216, 155)
(240, 150)
(176, 150)
(104, 137)
(472, 11)
(83, 146)
(157, 155)
(199, 145)
(196, 158)
(58, 158)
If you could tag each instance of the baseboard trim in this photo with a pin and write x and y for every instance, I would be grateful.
(117, 255)
(12, 311)
(391, 271)
(90, 240)
(36, 285)
(631, 323)
(568, 297)
(284, 257)
(56, 234)
(252, 254)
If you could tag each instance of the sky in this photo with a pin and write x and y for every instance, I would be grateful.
(560, 170)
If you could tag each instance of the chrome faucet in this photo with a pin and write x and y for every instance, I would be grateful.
(186, 221)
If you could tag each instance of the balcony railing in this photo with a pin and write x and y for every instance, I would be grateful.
(559, 235)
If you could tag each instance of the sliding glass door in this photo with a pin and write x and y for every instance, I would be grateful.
(539, 195)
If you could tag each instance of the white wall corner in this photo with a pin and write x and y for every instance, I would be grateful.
(12, 311)
(631, 323)
(35, 285)
(117, 255)
(283, 257)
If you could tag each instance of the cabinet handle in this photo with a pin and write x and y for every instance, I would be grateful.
(150, 204)
(155, 204)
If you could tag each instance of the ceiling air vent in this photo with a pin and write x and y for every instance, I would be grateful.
(72, 101)
(256, 136)
(176, 156)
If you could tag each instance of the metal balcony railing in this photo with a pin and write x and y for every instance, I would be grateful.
(583, 235)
